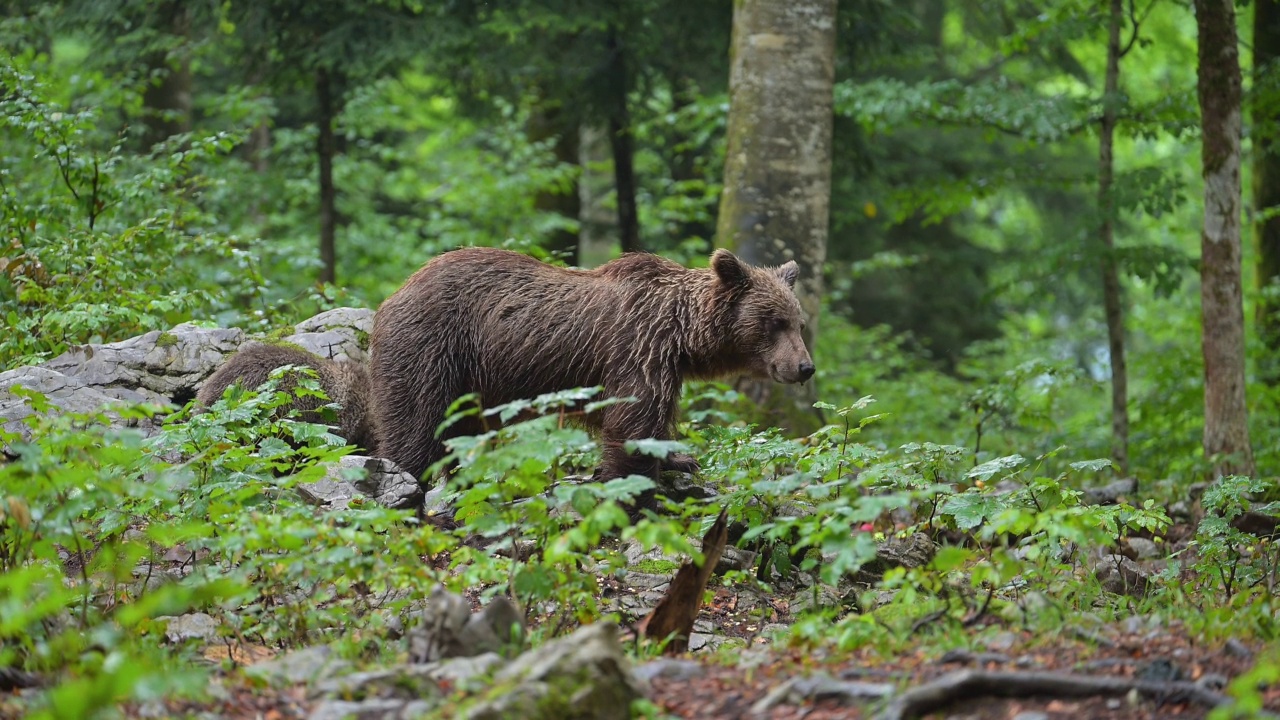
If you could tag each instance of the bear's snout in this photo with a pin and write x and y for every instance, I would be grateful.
(806, 370)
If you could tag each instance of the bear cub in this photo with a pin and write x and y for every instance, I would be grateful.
(346, 383)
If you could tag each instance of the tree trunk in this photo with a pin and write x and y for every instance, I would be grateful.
(325, 150)
(1226, 429)
(166, 101)
(1266, 179)
(1111, 299)
(623, 151)
(777, 176)
(547, 121)
(685, 153)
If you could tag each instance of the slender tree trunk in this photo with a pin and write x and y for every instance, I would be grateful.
(166, 101)
(1266, 178)
(1226, 428)
(777, 176)
(623, 149)
(683, 162)
(1111, 298)
(549, 122)
(325, 150)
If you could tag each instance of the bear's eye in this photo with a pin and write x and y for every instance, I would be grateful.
(777, 325)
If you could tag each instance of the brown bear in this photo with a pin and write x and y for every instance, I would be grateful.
(507, 327)
(346, 383)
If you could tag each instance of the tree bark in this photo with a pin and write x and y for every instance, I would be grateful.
(325, 150)
(1226, 429)
(548, 121)
(623, 148)
(777, 177)
(1111, 298)
(166, 101)
(1266, 179)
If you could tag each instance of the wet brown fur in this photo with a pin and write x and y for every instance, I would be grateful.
(346, 383)
(507, 326)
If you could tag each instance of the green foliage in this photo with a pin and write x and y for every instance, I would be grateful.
(84, 223)
(94, 518)
(545, 531)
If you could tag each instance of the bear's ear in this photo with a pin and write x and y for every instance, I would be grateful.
(788, 273)
(728, 268)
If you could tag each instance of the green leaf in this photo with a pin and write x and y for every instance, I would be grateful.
(654, 448)
(998, 465)
(970, 509)
(1092, 465)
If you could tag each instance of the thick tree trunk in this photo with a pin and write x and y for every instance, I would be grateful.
(777, 177)
(1266, 178)
(549, 122)
(623, 148)
(325, 150)
(1226, 429)
(1111, 298)
(166, 101)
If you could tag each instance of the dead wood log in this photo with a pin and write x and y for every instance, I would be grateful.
(678, 609)
(969, 684)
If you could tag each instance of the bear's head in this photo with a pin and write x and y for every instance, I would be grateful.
(768, 320)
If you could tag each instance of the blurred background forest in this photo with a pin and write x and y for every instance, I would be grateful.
(249, 163)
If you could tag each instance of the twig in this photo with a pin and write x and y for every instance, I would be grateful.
(982, 611)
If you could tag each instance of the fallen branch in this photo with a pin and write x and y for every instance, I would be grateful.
(969, 684)
(676, 611)
(13, 679)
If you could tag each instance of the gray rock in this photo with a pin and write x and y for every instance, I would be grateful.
(192, 626)
(1031, 715)
(378, 479)
(446, 628)
(435, 635)
(1109, 494)
(807, 599)
(339, 345)
(909, 552)
(668, 668)
(821, 687)
(385, 482)
(1002, 641)
(584, 676)
(408, 682)
(734, 558)
(338, 334)
(328, 493)
(376, 709)
(157, 365)
(312, 664)
(1145, 549)
(67, 394)
(681, 486)
(435, 502)
(358, 319)
(1180, 509)
(1122, 576)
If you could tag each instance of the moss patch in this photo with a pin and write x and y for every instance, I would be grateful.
(654, 566)
(166, 339)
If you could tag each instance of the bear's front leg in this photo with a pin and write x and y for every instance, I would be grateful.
(681, 462)
(646, 417)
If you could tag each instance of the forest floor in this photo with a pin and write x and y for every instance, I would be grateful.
(731, 680)
(724, 686)
(728, 682)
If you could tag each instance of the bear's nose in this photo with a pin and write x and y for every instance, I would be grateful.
(806, 370)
